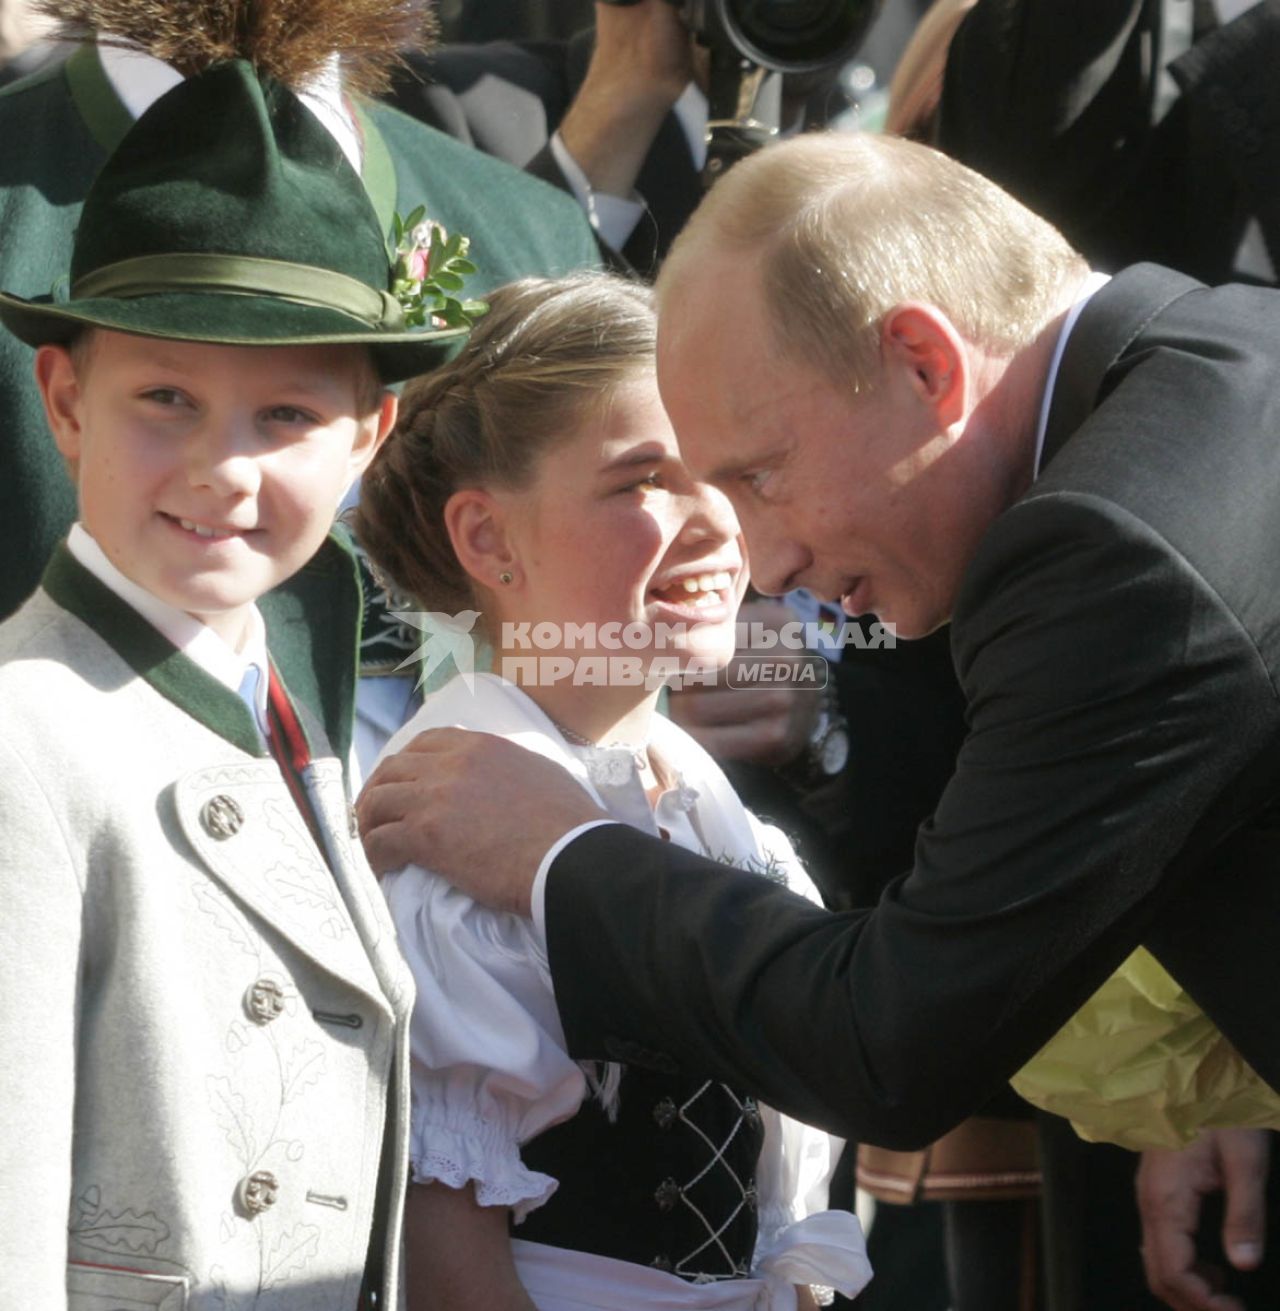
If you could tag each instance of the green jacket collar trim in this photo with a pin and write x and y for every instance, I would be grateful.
(103, 111)
(151, 655)
(378, 170)
(108, 121)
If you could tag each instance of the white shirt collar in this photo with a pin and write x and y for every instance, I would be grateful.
(140, 79)
(1091, 284)
(196, 640)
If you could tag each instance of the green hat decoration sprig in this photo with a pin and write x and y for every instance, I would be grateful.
(429, 268)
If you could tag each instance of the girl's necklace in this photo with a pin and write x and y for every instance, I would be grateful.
(640, 755)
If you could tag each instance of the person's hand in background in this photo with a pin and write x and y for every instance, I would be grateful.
(762, 725)
(1171, 1189)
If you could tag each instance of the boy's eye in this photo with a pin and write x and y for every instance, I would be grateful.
(290, 414)
(164, 396)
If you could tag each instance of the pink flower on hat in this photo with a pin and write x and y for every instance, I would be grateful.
(419, 254)
(428, 269)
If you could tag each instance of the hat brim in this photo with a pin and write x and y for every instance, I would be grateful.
(225, 319)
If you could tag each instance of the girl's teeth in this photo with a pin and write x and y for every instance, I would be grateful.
(200, 530)
(718, 582)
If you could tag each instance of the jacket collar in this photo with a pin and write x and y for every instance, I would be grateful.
(1106, 328)
(151, 655)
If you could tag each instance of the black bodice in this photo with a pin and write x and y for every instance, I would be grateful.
(670, 1184)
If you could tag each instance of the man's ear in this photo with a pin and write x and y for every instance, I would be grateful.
(60, 391)
(477, 527)
(922, 341)
(373, 431)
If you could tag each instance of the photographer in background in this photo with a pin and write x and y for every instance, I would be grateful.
(617, 115)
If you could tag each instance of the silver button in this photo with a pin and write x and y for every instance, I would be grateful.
(664, 1113)
(222, 817)
(264, 1001)
(257, 1192)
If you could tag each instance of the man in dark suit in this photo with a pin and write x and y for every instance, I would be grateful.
(921, 402)
(1143, 129)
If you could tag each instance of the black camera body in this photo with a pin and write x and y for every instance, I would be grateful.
(785, 36)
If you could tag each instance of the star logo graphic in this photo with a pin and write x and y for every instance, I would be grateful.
(445, 637)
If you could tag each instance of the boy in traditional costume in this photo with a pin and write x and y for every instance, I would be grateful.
(202, 1010)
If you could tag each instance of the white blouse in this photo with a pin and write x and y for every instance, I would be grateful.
(490, 1067)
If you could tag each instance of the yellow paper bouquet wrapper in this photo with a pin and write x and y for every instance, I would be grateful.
(1141, 1065)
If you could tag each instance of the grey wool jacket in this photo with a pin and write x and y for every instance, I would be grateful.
(203, 1012)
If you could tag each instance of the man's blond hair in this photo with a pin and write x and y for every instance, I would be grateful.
(842, 228)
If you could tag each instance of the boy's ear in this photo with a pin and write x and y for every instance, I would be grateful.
(372, 432)
(477, 530)
(60, 390)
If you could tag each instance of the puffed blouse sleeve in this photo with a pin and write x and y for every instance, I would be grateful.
(489, 1065)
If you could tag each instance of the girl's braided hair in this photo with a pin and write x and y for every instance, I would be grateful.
(547, 357)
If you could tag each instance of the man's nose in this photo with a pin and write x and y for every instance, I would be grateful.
(777, 561)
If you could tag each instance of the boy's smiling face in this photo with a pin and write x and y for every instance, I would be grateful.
(209, 474)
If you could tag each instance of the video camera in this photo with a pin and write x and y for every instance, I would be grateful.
(784, 36)
(751, 41)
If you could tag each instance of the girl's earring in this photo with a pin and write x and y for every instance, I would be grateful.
(506, 576)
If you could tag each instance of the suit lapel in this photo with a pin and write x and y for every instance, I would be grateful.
(239, 816)
(1107, 325)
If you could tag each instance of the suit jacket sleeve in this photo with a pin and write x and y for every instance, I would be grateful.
(1113, 699)
(40, 934)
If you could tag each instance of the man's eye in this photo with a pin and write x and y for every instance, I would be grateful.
(757, 481)
(650, 482)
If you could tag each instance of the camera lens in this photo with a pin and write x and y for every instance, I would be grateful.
(797, 35)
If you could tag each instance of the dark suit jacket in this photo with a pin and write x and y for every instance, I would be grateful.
(1055, 103)
(1117, 638)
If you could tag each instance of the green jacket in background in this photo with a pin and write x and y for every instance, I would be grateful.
(56, 129)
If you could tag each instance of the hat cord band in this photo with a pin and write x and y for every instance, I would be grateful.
(303, 284)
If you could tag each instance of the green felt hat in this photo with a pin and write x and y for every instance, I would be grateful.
(229, 214)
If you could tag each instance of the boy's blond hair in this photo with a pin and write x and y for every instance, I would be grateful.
(844, 227)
